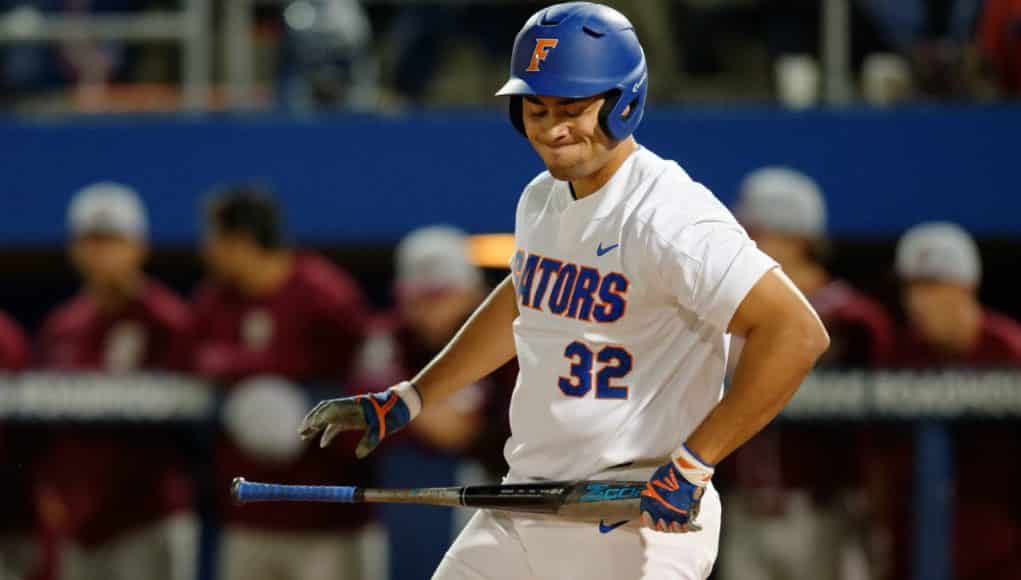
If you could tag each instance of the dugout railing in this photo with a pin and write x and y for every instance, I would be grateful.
(929, 401)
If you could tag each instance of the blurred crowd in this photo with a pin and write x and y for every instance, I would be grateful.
(116, 502)
(347, 54)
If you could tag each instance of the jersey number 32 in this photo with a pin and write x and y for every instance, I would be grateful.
(615, 363)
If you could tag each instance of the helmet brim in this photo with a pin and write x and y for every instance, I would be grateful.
(515, 87)
(548, 87)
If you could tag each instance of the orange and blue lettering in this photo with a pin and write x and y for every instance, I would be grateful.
(562, 290)
(579, 292)
(547, 267)
(525, 279)
(611, 293)
(582, 297)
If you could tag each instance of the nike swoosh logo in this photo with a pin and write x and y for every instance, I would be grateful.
(640, 82)
(600, 250)
(606, 529)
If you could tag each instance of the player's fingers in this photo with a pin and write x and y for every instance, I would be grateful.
(660, 525)
(677, 527)
(340, 414)
(646, 520)
(313, 422)
(366, 445)
(328, 435)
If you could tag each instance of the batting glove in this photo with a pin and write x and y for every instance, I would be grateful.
(379, 414)
(671, 499)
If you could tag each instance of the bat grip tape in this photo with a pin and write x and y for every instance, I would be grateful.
(246, 491)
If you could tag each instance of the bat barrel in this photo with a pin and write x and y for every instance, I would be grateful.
(249, 491)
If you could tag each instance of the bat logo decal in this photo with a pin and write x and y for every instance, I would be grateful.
(607, 492)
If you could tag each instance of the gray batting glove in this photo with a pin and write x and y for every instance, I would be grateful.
(379, 414)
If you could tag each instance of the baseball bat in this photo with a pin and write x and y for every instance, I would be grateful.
(573, 500)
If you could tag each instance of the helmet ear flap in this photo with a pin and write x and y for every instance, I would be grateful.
(616, 119)
(517, 114)
(606, 111)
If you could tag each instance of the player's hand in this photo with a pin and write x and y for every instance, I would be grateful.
(379, 414)
(671, 499)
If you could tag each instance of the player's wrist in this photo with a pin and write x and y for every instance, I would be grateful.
(692, 467)
(409, 394)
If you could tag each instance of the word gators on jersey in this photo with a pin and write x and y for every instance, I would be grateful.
(568, 289)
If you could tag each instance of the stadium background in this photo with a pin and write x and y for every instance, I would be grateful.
(397, 140)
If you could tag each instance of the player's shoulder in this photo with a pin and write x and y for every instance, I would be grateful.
(841, 297)
(77, 311)
(1005, 330)
(322, 281)
(839, 302)
(538, 190)
(673, 201)
(166, 306)
(536, 197)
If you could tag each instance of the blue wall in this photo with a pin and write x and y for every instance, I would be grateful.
(373, 178)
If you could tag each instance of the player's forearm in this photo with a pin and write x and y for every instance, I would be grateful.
(484, 344)
(775, 360)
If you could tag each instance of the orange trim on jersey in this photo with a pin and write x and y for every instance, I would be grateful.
(627, 388)
(619, 293)
(573, 376)
(536, 299)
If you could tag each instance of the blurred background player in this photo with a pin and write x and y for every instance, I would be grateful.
(784, 211)
(268, 310)
(788, 518)
(437, 287)
(18, 555)
(120, 496)
(949, 328)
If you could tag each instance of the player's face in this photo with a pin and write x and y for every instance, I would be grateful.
(108, 260)
(436, 315)
(937, 310)
(566, 135)
(225, 255)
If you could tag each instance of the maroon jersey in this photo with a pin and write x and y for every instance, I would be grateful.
(861, 333)
(987, 534)
(112, 479)
(15, 446)
(13, 347)
(307, 330)
(789, 456)
(998, 346)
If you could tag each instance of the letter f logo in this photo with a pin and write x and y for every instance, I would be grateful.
(542, 48)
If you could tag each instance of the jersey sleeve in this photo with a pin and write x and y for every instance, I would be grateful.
(708, 264)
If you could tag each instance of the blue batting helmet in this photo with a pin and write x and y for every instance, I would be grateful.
(577, 50)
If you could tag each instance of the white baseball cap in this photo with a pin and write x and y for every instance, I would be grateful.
(436, 257)
(107, 208)
(782, 200)
(939, 251)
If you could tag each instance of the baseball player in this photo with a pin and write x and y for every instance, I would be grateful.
(948, 327)
(627, 279)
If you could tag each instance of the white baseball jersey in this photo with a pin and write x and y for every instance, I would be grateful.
(624, 298)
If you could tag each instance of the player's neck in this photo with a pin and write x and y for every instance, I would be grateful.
(269, 274)
(111, 298)
(590, 184)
